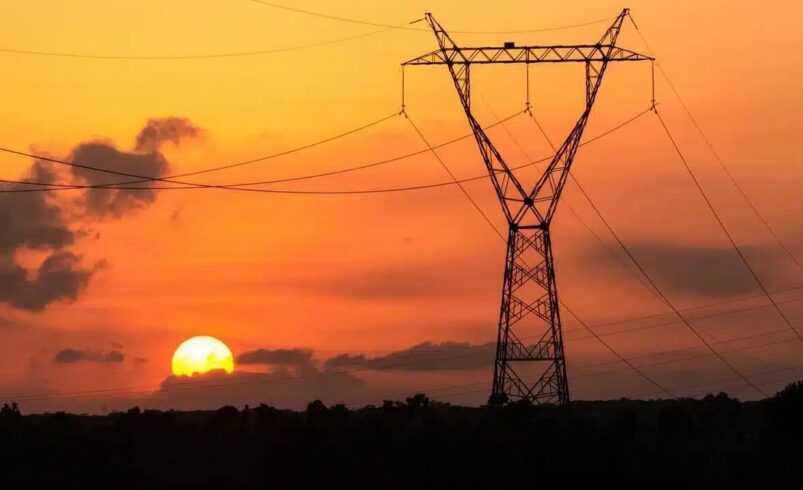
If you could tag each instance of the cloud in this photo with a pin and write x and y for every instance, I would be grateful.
(59, 277)
(28, 219)
(331, 382)
(145, 160)
(140, 361)
(704, 271)
(72, 356)
(277, 357)
(422, 357)
(114, 203)
(177, 216)
(162, 130)
(32, 220)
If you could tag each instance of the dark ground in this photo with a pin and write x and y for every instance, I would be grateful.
(419, 443)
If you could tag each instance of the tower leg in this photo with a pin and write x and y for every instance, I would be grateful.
(530, 363)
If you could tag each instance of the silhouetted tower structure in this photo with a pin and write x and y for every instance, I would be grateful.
(532, 371)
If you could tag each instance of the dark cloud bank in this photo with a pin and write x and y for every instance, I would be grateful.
(422, 357)
(277, 357)
(34, 220)
(72, 356)
(292, 377)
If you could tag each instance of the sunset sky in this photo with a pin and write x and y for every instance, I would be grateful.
(299, 281)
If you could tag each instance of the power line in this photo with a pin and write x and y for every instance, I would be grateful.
(571, 312)
(718, 158)
(286, 152)
(691, 358)
(242, 189)
(621, 358)
(170, 178)
(490, 223)
(713, 383)
(672, 306)
(673, 322)
(705, 354)
(593, 233)
(568, 205)
(367, 165)
(725, 230)
(649, 279)
(604, 220)
(657, 290)
(261, 52)
(733, 180)
(234, 54)
(738, 187)
(455, 179)
(705, 305)
(48, 187)
(268, 157)
(486, 218)
(408, 27)
(646, 327)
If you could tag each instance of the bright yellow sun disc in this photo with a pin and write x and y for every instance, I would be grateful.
(201, 354)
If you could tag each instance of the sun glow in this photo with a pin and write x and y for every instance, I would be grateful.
(201, 354)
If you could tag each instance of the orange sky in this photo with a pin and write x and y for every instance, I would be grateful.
(376, 274)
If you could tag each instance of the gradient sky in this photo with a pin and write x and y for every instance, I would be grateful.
(322, 276)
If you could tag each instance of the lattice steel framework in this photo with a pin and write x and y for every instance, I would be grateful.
(535, 372)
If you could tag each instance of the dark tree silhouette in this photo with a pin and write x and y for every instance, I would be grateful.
(419, 442)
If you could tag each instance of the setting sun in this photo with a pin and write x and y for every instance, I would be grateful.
(202, 354)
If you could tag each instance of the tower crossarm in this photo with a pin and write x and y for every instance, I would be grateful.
(577, 53)
(536, 206)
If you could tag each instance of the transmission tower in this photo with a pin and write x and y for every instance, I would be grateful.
(533, 372)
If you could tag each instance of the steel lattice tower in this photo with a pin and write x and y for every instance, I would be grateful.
(533, 372)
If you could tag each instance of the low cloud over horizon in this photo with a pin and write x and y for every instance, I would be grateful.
(423, 357)
(71, 356)
(277, 357)
(458, 372)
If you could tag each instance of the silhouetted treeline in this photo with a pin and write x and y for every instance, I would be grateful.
(412, 444)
